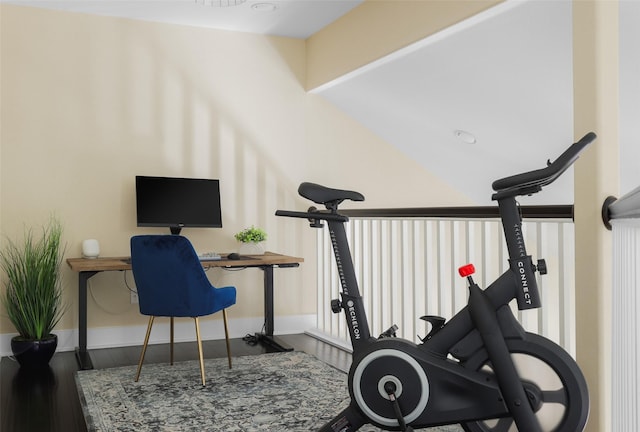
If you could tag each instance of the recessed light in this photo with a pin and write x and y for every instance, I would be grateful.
(464, 136)
(263, 7)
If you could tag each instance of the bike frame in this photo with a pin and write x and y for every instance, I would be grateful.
(486, 323)
(463, 335)
(519, 282)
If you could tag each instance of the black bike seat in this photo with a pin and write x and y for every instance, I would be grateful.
(321, 195)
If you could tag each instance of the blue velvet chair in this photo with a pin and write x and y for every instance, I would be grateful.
(172, 283)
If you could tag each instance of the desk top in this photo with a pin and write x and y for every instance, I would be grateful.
(121, 263)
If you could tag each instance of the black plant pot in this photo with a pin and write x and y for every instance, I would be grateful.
(34, 354)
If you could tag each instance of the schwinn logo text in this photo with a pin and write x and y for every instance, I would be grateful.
(351, 310)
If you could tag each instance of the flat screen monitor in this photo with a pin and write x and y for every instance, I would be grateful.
(178, 202)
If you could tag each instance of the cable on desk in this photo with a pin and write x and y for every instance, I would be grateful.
(101, 307)
(233, 269)
(127, 283)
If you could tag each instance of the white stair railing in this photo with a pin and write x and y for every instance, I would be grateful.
(407, 267)
(624, 215)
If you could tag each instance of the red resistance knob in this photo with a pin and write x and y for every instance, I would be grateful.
(466, 270)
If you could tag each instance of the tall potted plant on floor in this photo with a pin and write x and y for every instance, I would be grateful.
(33, 293)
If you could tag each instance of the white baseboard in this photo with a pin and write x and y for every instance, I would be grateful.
(338, 343)
(109, 337)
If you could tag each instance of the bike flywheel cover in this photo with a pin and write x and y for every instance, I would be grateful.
(389, 365)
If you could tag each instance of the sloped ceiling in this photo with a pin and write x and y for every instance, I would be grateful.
(504, 76)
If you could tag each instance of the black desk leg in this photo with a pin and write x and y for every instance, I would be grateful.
(267, 337)
(82, 354)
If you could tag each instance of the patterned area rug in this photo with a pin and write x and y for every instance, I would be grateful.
(270, 392)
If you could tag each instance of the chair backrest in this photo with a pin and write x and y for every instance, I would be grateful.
(169, 277)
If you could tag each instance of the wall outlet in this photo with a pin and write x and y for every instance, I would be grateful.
(134, 297)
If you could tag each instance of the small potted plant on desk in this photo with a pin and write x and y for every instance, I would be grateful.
(33, 295)
(251, 241)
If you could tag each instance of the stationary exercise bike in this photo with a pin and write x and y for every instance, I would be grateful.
(480, 369)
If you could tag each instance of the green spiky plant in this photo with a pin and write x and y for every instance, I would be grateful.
(33, 296)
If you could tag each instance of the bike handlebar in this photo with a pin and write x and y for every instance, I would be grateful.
(524, 183)
(313, 215)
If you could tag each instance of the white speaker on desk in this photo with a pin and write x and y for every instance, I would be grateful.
(90, 248)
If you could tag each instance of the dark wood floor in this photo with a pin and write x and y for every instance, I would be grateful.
(48, 401)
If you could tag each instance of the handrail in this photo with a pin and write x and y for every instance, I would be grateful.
(625, 207)
(479, 212)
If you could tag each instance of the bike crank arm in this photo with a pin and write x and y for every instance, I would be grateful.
(390, 389)
(484, 318)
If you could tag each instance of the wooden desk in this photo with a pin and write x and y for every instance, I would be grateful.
(87, 268)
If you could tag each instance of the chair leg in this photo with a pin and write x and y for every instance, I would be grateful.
(144, 347)
(171, 342)
(200, 349)
(226, 335)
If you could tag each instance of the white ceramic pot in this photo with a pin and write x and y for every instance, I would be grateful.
(251, 248)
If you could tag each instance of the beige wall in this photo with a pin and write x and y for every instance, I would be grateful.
(89, 102)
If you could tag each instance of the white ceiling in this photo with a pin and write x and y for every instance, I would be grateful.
(290, 18)
(505, 76)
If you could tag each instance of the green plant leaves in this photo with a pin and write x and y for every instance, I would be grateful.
(251, 235)
(33, 296)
